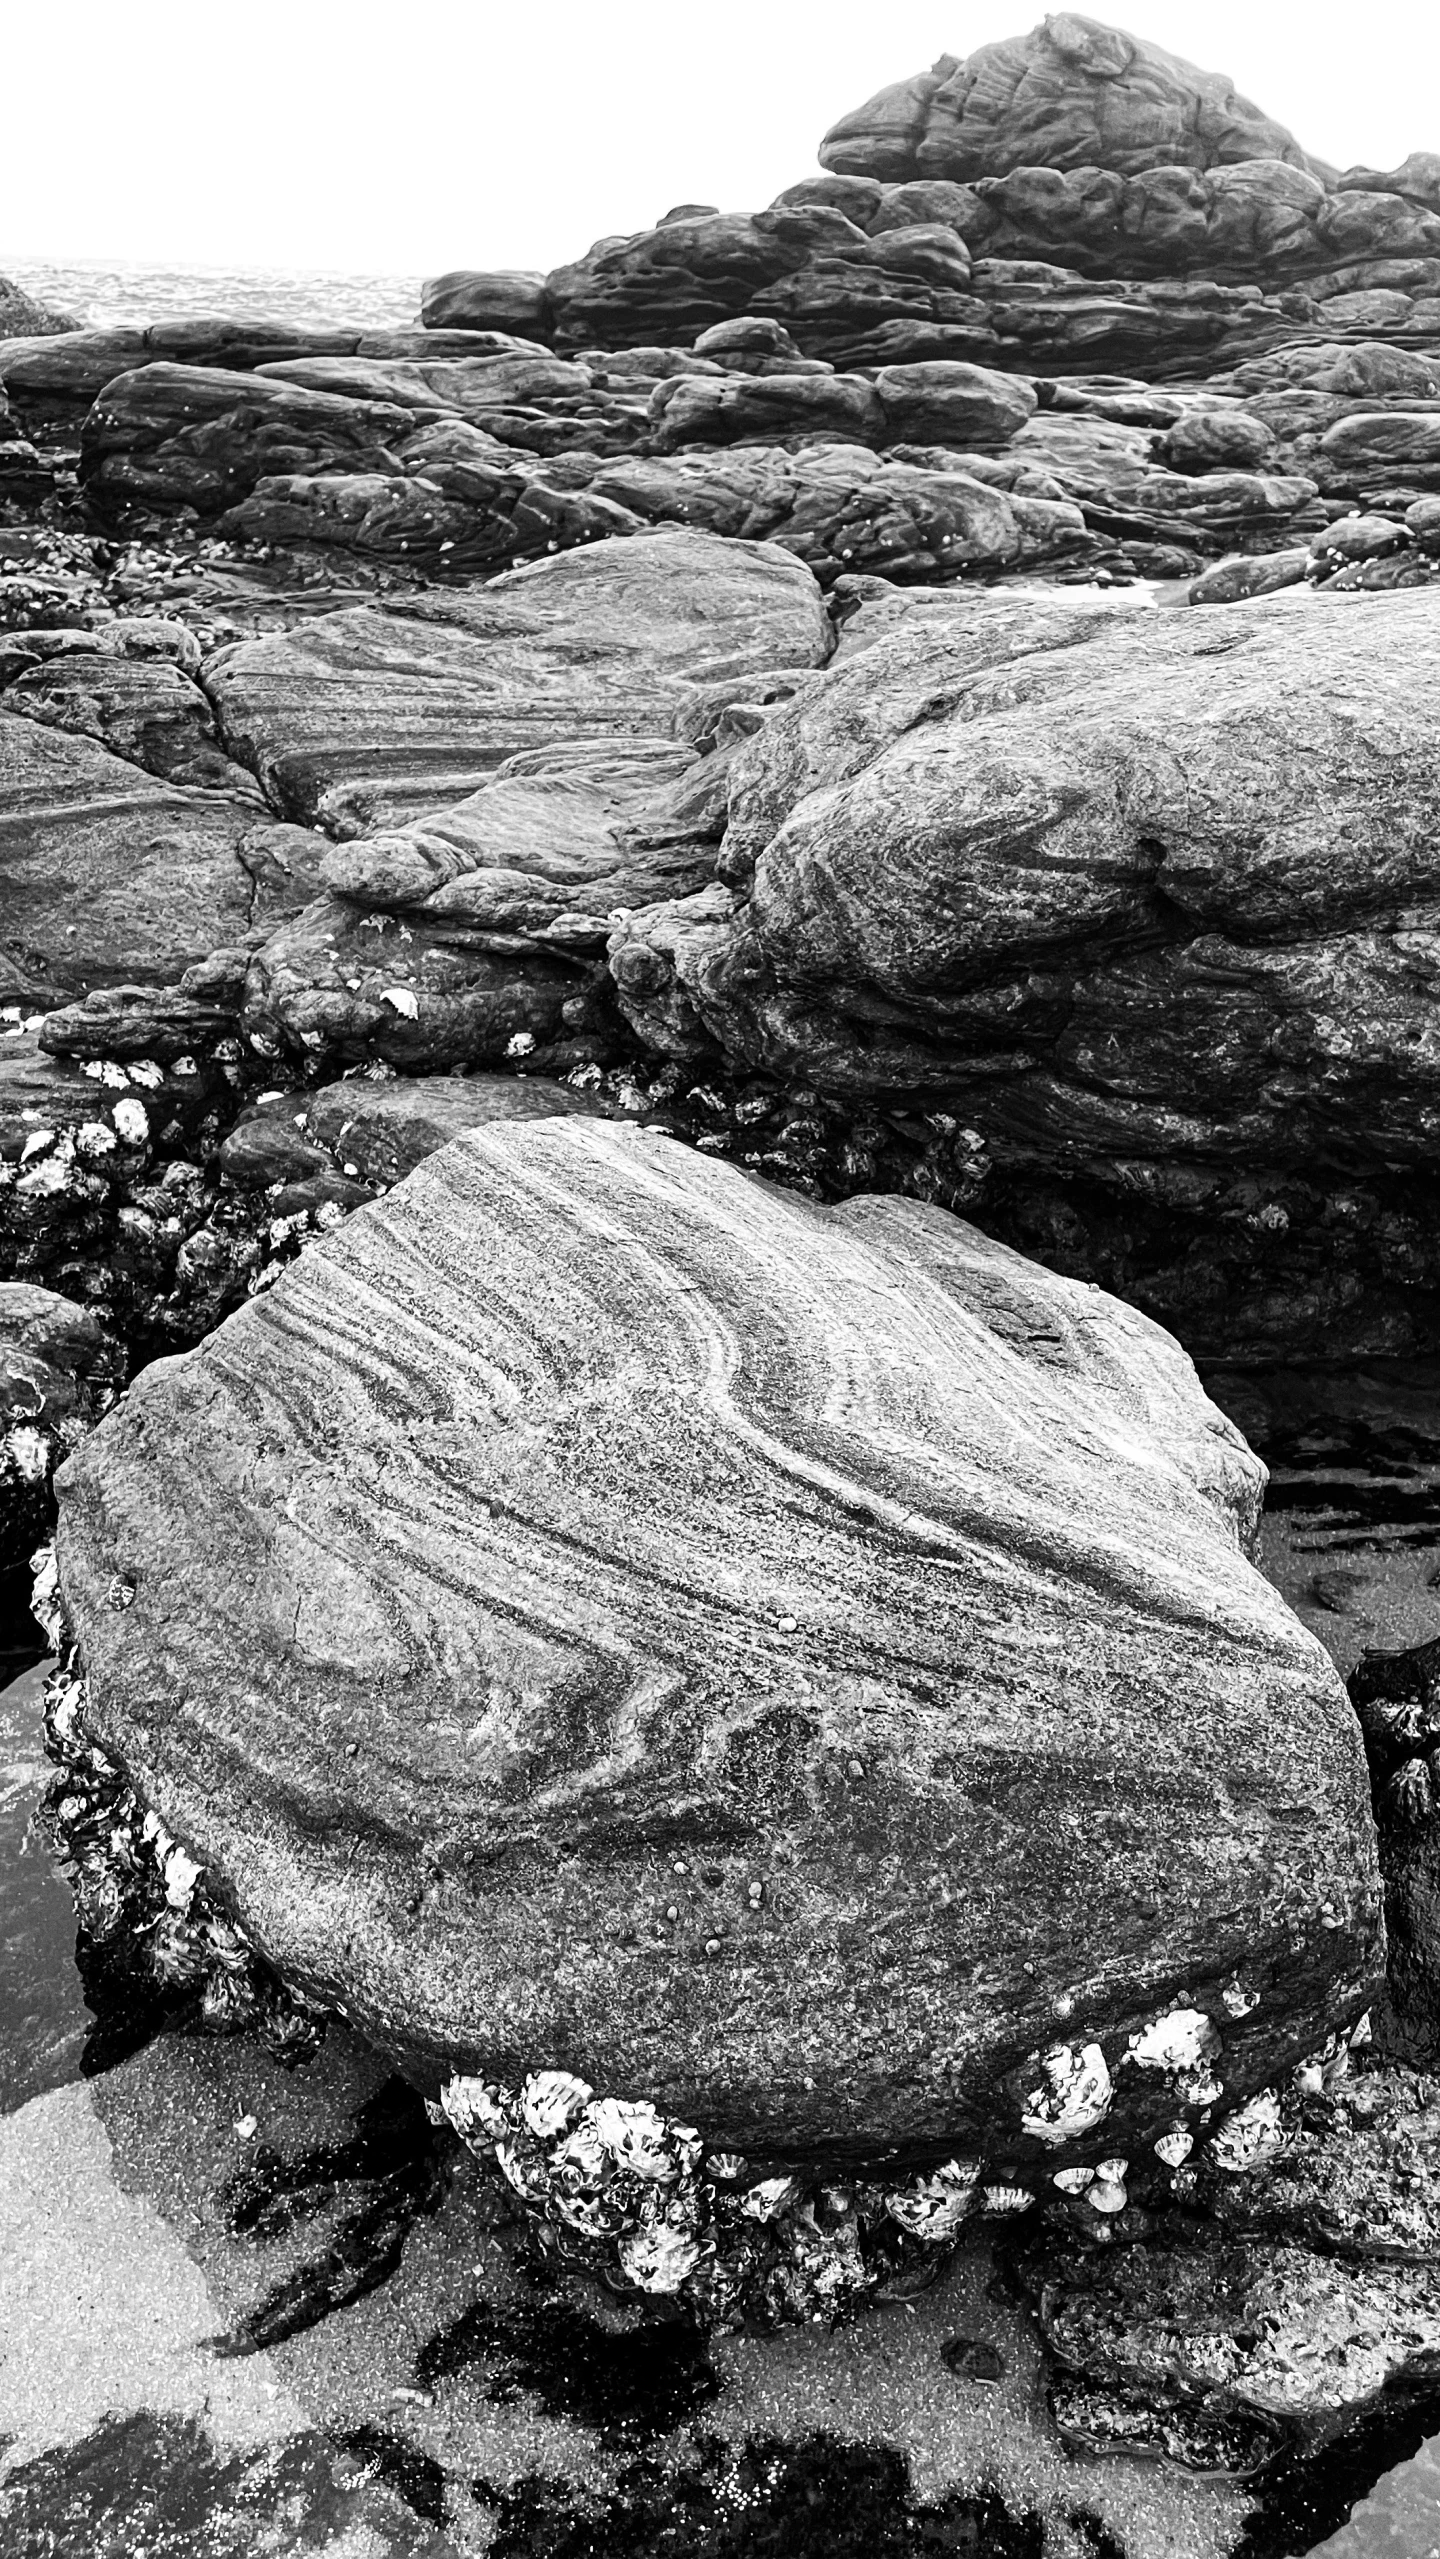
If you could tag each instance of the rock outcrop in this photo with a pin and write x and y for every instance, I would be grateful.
(363, 718)
(876, 1832)
(1072, 94)
(1146, 901)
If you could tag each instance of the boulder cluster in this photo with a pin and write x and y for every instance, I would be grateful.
(546, 857)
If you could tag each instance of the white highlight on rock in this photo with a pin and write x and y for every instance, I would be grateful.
(400, 1000)
(1075, 2097)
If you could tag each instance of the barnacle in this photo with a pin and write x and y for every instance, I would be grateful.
(634, 2134)
(1174, 2147)
(1410, 1795)
(1183, 2042)
(659, 2258)
(550, 2100)
(1006, 2199)
(1251, 2137)
(1075, 2096)
(770, 2198)
(934, 2207)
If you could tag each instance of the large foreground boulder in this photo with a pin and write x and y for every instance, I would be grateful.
(796, 1665)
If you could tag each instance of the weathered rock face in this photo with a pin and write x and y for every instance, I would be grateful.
(1072, 94)
(110, 876)
(1156, 890)
(361, 719)
(661, 1628)
(59, 1371)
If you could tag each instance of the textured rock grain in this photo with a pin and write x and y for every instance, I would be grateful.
(588, 1535)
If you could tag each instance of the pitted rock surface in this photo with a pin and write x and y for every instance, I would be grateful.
(587, 1534)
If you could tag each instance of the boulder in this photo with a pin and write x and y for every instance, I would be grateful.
(470, 298)
(362, 718)
(844, 510)
(176, 435)
(1072, 94)
(145, 709)
(1114, 887)
(641, 1623)
(110, 876)
(478, 931)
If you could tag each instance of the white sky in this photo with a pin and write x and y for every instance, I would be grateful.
(357, 135)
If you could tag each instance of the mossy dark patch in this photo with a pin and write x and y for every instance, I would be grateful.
(818, 2499)
(640, 2381)
(402, 2167)
(153, 2487)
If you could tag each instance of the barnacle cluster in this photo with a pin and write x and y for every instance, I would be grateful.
(621, 2193)
(139, 1895)
(1397, 1698)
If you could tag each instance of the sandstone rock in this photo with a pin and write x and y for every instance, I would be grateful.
(1231, 581)
(1216, 440)
(844, 510)
(359, 719)
(468, 298)
(433, 1741)
(145, 710)
(22, 316)
(476, 932)
(1072, 94)
(741, 410)
(59, 1371)
(376, 1134)
(174, 435)
(109, 874)
(1115, 888)
(1397, 449)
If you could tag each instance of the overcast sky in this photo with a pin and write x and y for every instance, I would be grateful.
(344, 134)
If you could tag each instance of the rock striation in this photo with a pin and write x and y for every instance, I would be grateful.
(940, 1538)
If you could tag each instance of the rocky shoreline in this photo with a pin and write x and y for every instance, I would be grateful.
(658, 924)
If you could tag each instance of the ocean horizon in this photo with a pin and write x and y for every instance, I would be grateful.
(118, 294)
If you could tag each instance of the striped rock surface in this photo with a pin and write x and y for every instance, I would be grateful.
(795, 1664)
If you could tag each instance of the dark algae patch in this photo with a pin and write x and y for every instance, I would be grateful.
(638, 2382)
(1310, 2491)
(814, 2499)
(155, 2487)
(399, 2168)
